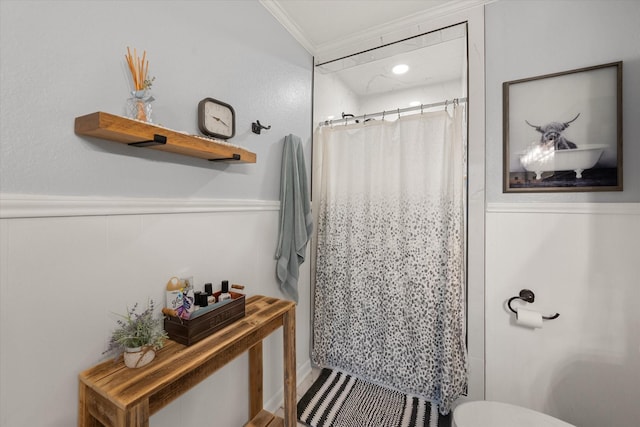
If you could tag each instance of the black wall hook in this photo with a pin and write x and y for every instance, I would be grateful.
(257, 127)
(528, 296)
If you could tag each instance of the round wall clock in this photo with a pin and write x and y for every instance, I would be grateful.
(216, 118)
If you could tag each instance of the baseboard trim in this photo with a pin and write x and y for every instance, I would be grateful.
(566, 208)
(38, 206)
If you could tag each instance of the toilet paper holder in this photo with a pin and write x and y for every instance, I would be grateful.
(528, 296)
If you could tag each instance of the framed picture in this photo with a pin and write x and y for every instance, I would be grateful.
(563, 131)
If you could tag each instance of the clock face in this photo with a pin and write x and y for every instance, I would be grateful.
(216, 118)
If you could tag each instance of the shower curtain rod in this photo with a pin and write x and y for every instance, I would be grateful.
(346, 117)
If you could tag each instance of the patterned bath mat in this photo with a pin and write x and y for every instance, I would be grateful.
(337, 399)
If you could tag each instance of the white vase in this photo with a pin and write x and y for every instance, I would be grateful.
(138, 357)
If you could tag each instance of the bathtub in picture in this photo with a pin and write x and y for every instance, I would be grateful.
(540, 159)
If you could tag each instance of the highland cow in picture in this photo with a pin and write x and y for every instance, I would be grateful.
(552, 135)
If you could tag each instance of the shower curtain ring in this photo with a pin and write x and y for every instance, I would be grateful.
(446, 105)
(398, 113)
(382, 115)
(421, 108)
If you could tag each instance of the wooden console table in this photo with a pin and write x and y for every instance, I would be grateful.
(115, 396)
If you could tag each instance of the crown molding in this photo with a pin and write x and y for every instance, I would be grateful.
(274, 7)
(392, 31)
(395, 30)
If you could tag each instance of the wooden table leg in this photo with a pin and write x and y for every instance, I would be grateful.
(255, 380)
(136, 416)
(96, 411)
(85, 419)
(289, 331)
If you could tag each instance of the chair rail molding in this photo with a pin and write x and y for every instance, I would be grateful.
(42, 206)
(566, 208)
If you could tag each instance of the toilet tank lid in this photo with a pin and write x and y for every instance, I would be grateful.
(498, 414)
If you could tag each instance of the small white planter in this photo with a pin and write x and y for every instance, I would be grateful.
(138, 357)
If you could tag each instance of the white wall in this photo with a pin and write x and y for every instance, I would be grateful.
(581, 260)
(579, 257)
(88, 227)
(401, 99)
(528, 38)
(64, 277)
(65, 59)
(331, 97)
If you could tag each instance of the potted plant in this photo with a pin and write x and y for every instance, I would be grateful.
(138, 336)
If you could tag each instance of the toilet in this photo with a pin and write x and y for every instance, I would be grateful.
(497, 414)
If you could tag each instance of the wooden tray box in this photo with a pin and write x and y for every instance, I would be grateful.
(190, 331)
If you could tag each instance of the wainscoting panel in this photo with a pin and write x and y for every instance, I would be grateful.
(582, 262)
(67, 265)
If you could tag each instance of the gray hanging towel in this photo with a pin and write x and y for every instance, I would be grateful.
(296, 222)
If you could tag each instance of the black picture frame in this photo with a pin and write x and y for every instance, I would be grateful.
(562, 132)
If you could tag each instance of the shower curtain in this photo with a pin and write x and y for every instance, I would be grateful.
(389, 301)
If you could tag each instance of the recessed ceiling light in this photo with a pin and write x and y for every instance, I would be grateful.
(400, 69)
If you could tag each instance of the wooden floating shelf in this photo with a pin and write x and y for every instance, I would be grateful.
(134, 132)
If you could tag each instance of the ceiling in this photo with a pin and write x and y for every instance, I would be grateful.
(435, 58)
(325, 25)
(333, 29)
(323, 22)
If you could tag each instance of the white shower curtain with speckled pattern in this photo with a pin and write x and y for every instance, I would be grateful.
(389, 285)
